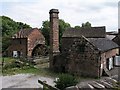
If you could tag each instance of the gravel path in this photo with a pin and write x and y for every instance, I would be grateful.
(24, 81)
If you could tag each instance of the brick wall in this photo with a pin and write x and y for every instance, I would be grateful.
(54, 35)
(18, 44)
(108, 54)
(34, 39)
(54, 30)
(26, 45)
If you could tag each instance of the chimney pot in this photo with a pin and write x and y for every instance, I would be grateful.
(54, 11)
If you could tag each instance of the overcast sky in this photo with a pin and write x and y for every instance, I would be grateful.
(75, 12)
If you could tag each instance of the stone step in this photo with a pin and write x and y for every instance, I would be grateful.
(84, 85)
(110, 81)
(107, 71)
(96, 85)
(115, 77)
(107, 85)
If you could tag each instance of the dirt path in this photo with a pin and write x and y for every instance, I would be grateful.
(24, 81)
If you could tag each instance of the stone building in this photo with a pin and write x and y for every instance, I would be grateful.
(117, 39)
(84, 52)
(27, 43)
(115, 36)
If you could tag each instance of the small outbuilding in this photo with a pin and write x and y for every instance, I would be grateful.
(27, 43)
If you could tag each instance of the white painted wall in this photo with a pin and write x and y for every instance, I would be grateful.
(15, 54)
(117, 60)
(110, 63)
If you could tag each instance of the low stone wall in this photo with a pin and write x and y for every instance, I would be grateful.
(46, 86)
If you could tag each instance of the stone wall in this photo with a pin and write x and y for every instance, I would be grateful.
(117, 40)
(79, 57)
(18, 44)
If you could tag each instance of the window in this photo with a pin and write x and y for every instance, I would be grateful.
(117, 60)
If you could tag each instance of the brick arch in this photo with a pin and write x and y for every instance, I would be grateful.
(39, 50)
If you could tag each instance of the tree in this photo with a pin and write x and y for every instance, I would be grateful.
(46, 29)
(87, 24)
(9, 28)
(62, 27)
(77, 27)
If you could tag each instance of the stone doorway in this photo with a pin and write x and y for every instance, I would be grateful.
(109, 63)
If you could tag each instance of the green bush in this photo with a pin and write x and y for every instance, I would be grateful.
(65, 80)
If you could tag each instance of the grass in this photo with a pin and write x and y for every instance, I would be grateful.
(10, 68)
(31, 70)
(7, 59)
(41, 69)
(13, 71)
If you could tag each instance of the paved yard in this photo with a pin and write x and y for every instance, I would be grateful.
(24, 81)
(31, 81)
(105, 82)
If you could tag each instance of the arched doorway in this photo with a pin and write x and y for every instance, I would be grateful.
(39, 50)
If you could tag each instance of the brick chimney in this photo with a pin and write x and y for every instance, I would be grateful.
(54, 34)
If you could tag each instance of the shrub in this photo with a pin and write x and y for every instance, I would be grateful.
(65, 80)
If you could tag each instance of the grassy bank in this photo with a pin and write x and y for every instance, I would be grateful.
(42, 69)
(14, 66)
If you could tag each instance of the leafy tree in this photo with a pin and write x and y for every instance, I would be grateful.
(46, 29)
(77, 27)
(62, 27)
(86, 25)
(6, 41)
(9, 27)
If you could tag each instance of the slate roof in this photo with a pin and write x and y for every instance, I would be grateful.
(110, 36)
(103, 44)
(92, 32)
(24, 33)
(112, 33)
(117, 39)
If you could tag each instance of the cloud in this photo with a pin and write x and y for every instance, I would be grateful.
(75, 12)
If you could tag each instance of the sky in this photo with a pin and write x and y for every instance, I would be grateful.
(75, 12)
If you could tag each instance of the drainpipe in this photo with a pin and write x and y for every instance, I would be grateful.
(99, 64)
